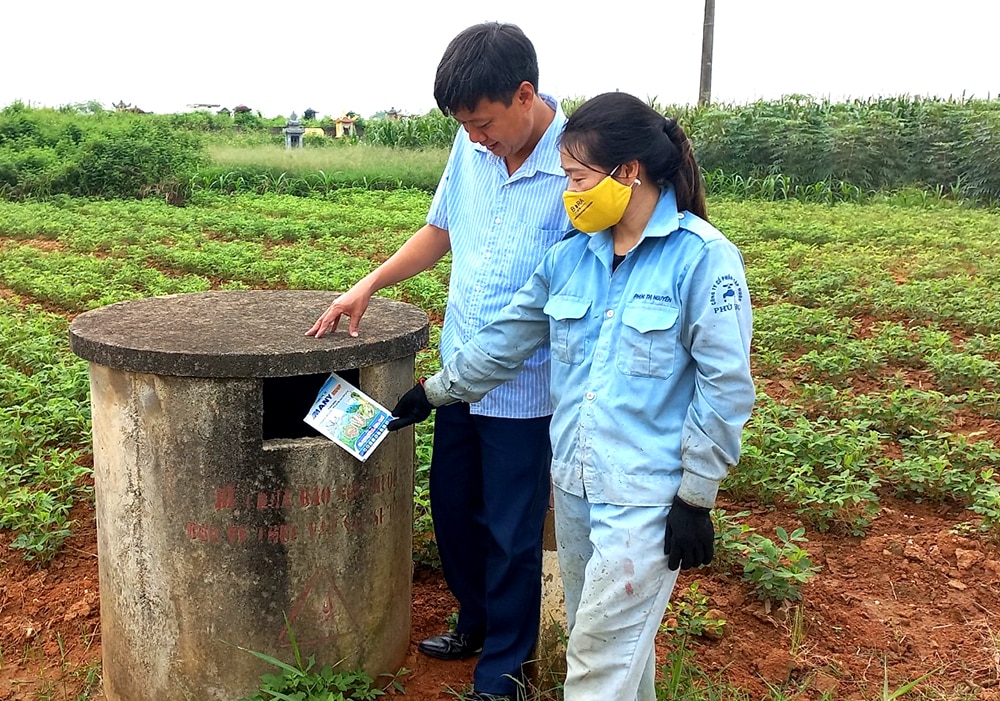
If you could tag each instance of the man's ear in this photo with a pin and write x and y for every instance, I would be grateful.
(525, 94)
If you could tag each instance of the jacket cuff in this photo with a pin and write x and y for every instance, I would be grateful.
(434, 388)
(697, 491)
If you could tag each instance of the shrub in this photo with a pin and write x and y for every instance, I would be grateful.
(101, 154)
(132, 161)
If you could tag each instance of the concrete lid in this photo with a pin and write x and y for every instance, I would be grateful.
(242, 333)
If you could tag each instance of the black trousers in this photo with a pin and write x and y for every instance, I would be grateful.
(489, 489)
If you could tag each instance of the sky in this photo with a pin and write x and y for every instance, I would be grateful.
(368, 57)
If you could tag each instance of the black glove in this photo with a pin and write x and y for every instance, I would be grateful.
(411, 408)
(690, 537)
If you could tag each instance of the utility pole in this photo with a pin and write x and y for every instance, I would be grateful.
(707, 40)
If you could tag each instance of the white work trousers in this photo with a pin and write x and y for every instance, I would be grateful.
(617, 586)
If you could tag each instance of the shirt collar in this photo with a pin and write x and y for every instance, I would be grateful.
(545, 156)
(664, 221)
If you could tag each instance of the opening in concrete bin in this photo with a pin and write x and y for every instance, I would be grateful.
(287, 399)
(218, 516)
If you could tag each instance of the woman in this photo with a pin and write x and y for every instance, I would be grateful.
(649, 322)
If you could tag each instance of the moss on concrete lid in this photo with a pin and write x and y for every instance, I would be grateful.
(242, 333)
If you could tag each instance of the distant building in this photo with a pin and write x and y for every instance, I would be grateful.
(122, 106)
(293, 132)
(345, 126)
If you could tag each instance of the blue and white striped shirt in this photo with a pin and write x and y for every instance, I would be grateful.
(500, 226)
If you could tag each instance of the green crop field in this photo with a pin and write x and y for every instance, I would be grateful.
(876, 352)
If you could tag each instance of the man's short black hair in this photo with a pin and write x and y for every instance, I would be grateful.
(488, 60)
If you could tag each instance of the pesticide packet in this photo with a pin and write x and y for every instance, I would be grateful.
(349, 417)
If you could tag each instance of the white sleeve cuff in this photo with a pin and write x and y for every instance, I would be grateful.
(698, 491)
(435, 390)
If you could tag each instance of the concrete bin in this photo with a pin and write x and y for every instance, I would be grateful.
(549, 669)
(221, 514)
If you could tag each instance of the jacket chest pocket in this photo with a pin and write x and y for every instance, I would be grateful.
(567, 328)
(648, 340)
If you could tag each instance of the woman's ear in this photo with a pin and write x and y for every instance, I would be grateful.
(629, 171)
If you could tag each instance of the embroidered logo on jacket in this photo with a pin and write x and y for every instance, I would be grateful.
(727, 295)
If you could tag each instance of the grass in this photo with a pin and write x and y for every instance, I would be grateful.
(65, 680)
(336, 157)
(336, 165)
(304, 680)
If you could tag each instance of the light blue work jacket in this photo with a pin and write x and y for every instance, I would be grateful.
(651, 380)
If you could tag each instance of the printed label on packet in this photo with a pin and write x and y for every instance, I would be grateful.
(349, 417)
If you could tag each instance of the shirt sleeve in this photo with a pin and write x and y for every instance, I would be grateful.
(717, 333)
(496, 352)
(437, 214)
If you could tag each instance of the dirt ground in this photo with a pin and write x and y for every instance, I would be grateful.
(911, 598)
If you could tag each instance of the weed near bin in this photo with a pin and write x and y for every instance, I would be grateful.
(304, 680)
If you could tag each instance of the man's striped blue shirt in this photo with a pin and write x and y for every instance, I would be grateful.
(500, 226)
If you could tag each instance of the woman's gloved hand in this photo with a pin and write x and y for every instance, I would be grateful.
(411, 408)
(690, 536)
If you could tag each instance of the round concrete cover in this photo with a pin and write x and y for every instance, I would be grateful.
(242, 333)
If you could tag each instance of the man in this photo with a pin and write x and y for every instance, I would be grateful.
(497, 208)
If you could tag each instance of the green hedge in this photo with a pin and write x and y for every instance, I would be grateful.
(948, 146)
(115, 155)
(797, 147)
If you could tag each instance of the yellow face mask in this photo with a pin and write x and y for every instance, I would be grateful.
(600, 207)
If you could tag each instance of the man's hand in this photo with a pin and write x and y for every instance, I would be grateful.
(411, 408)
(690, 536)
(352, 304)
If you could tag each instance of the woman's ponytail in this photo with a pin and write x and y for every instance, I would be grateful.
(689, 187)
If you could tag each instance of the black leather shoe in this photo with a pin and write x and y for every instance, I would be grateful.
(451, 646)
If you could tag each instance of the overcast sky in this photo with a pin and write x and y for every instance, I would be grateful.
(278, 57)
